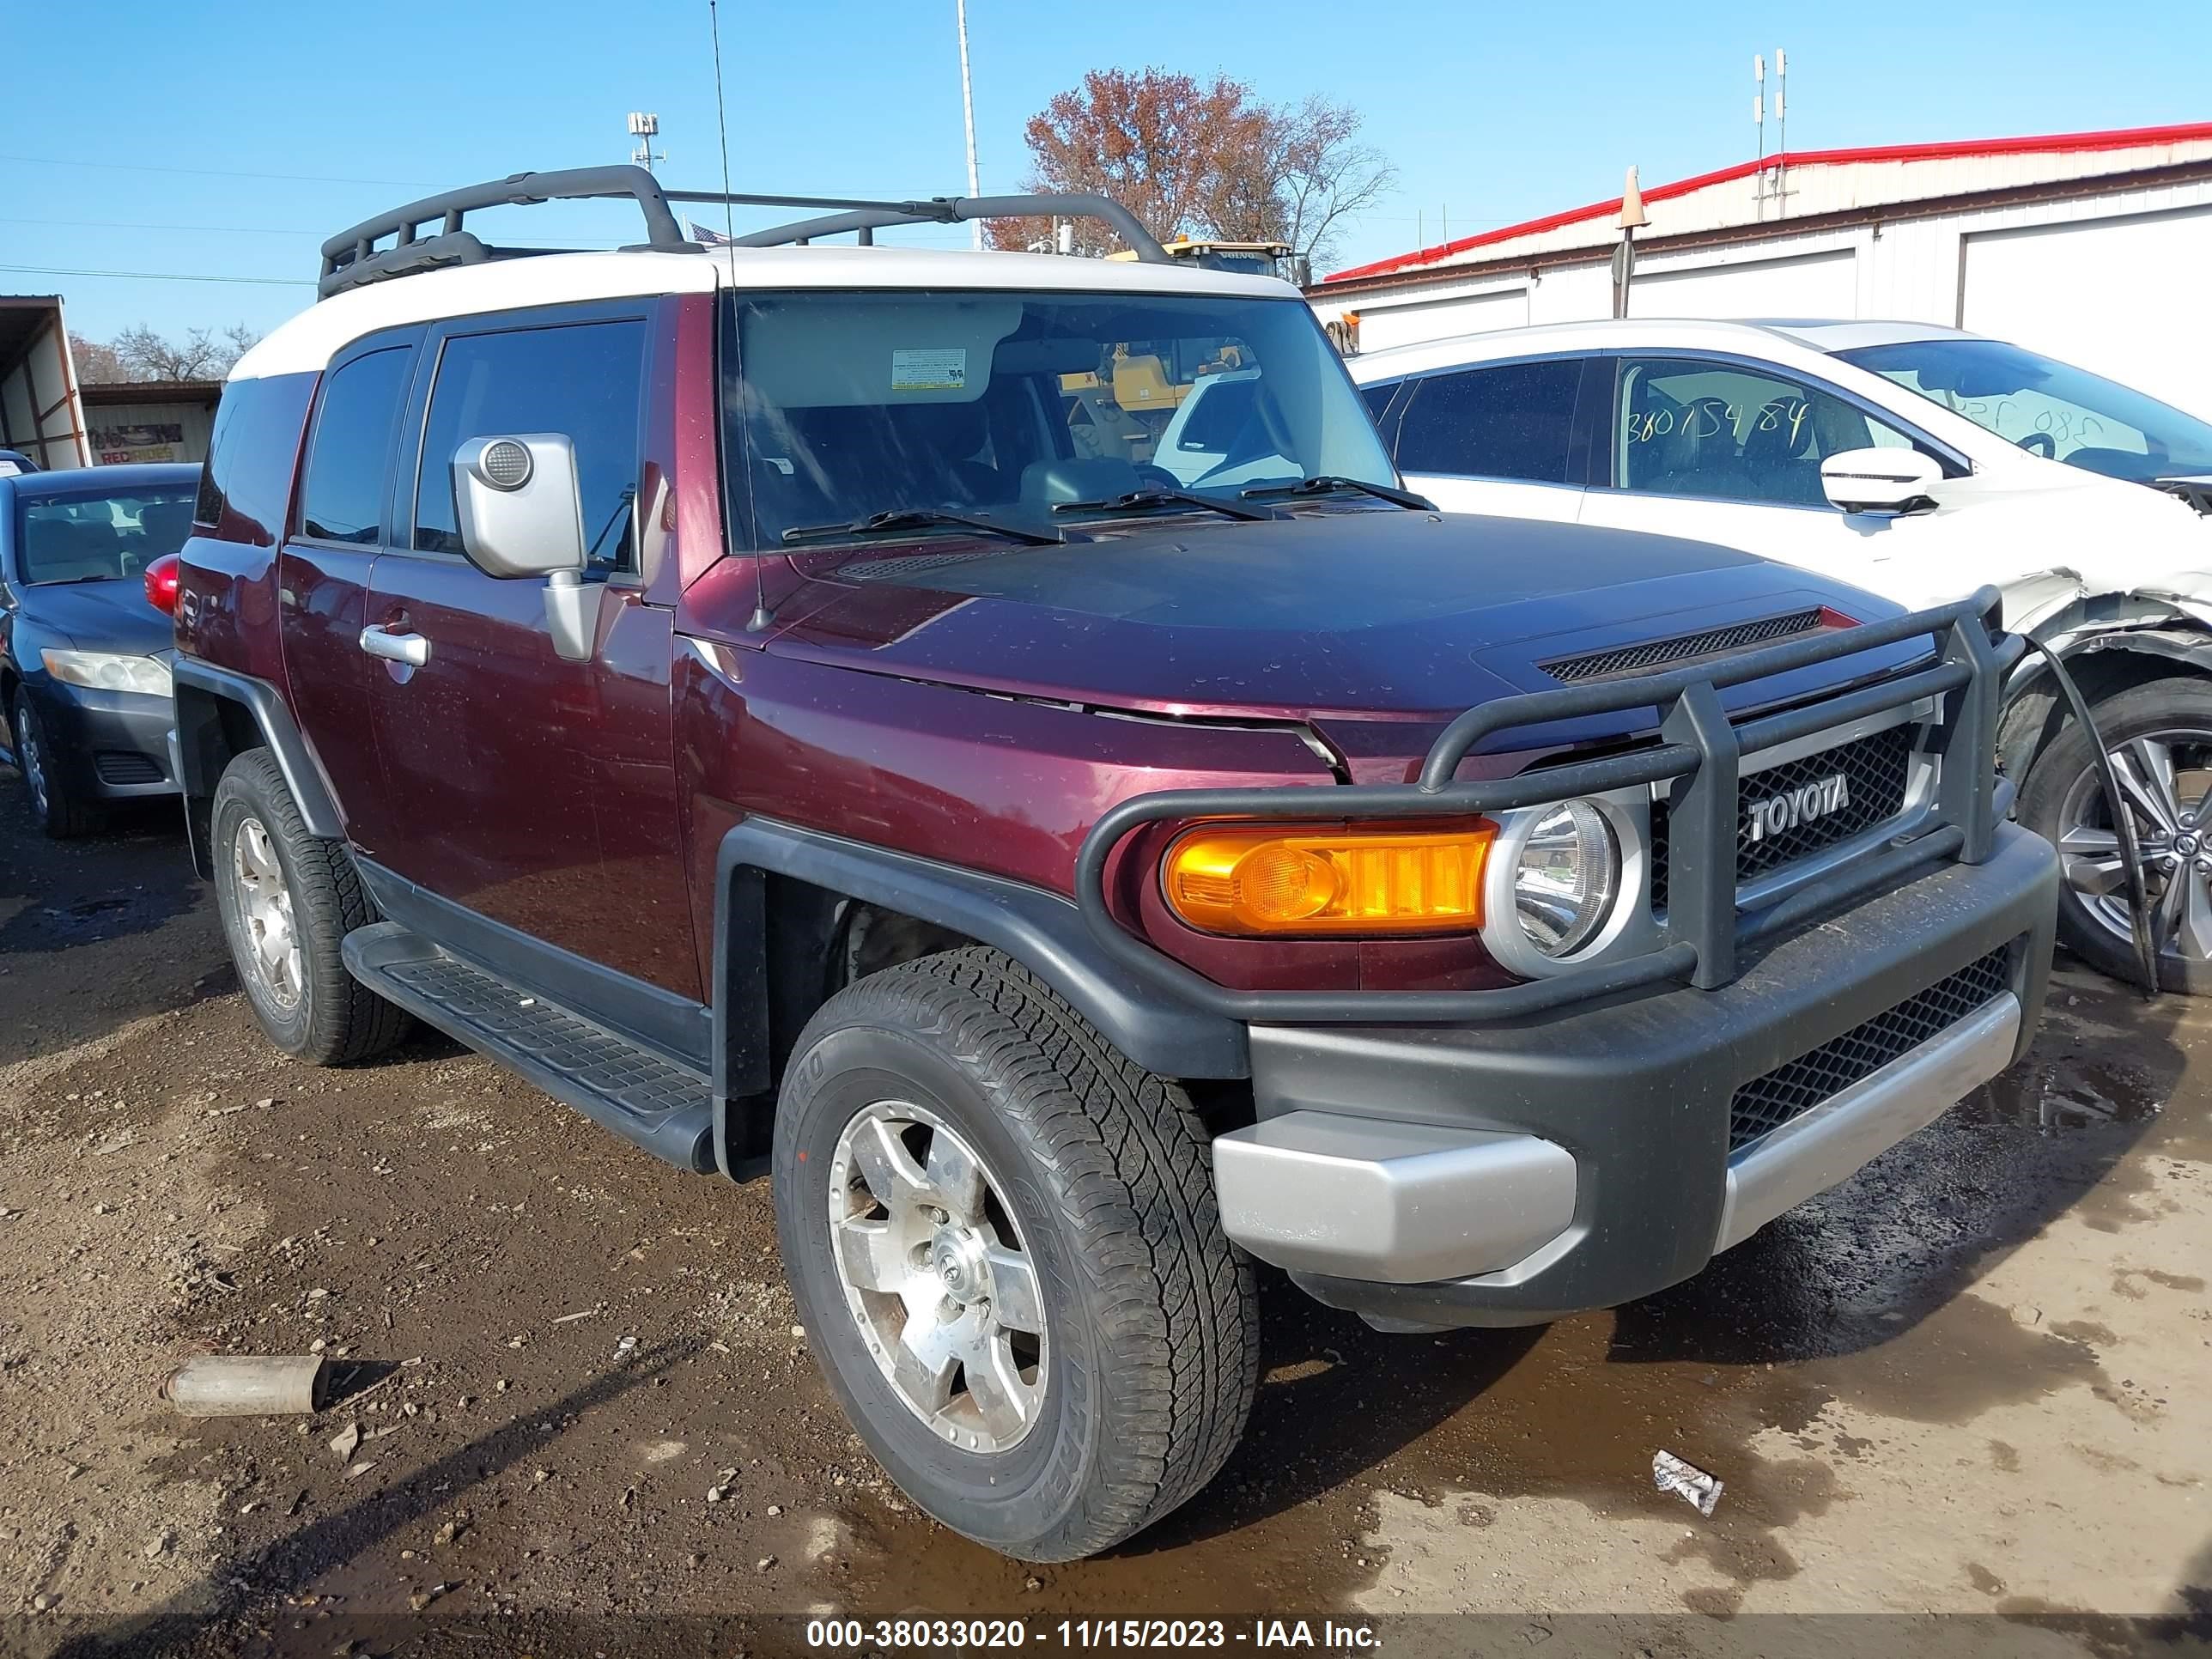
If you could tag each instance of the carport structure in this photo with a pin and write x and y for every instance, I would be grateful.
(40, 412)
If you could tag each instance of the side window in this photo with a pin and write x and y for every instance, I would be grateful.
(349, 457)
(1378, 397)
(580, 379)
(1731, 433)
(1511, 422)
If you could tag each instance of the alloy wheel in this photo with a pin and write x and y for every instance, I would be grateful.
(2165, 778)
(936, 1276)
(264, 907)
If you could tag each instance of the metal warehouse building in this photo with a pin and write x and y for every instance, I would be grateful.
(2095, 247)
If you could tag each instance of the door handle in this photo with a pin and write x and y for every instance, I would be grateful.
(411, 648)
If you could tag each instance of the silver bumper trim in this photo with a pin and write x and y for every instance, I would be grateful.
(1400, 1203)
(1812, 1151)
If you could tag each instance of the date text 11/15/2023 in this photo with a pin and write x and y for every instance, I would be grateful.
(909, 1633)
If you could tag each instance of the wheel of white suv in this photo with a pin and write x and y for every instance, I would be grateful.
(2158, 737)
(288, 899)
(1003, 1239)
(55, 807)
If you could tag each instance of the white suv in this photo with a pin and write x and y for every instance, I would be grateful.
(1916, 461)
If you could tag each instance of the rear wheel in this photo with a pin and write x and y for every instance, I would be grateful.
(55, 807)
(2158, 737)
(288, 899)
(1003, 1239)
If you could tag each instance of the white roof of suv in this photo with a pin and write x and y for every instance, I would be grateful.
(307, 342)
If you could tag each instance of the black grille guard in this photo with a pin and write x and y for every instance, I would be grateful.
(1698, 743)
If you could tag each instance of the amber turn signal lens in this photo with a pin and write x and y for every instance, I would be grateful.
(1380, 881)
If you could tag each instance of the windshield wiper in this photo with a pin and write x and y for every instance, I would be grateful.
(1329, 483)
(1141, 501)
(924, 518)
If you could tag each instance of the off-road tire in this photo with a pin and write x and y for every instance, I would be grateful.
(1151, 1311)
(65, 815)
(337, 1020)
(2179, 700)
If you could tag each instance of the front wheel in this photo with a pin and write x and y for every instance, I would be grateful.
(2158, 735)
(55, 805)
(1003, 1239)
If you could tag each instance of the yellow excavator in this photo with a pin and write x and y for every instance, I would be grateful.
(1252, 259)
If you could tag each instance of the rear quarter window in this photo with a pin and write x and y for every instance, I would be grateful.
(246, 488)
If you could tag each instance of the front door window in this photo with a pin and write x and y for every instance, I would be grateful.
(1724, 431)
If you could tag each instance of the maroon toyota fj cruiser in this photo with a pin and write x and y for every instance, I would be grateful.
(806, 708)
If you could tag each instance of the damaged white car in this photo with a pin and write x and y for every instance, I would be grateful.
(1916, 461)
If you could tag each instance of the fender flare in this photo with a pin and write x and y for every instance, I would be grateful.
(1043, 931)
(2033, 707)
(203, 751)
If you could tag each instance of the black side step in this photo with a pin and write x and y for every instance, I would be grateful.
(643, 1095)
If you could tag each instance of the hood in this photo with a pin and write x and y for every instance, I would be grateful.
(106, 615)
(1334, 616)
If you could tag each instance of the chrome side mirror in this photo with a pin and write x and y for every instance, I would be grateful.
(1879, 480)
(517, 504)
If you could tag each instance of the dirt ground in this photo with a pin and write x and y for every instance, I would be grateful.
(1967, 1391)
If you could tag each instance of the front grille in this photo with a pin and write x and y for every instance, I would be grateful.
(1766, 1103)
(1876, 771)
(115, 766)
(1655, 654)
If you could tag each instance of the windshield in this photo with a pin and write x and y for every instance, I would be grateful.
(2048, 407)
(1009, 405)
(98, 535)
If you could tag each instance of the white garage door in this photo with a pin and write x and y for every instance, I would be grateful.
(1440, 320)
(2124, 297)
(1807, 285)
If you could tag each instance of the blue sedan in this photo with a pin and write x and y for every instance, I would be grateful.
(84, 656)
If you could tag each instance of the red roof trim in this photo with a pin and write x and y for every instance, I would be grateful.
(2124, 138)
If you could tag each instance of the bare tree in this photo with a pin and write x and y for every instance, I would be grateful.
(1324, 176)
(95, 363)
(201, 354)
(1198, 159)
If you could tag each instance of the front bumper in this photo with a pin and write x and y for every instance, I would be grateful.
(1441, 1177)
(108, 745)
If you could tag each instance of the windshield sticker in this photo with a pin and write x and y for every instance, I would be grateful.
(930, 369)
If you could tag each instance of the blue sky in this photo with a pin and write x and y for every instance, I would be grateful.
(147, 143)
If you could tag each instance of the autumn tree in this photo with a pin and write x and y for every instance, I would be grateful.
(96, 364)
(1200, 159)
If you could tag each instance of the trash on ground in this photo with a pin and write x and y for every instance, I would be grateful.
(345, 1443)
(1670, 1473)
(245, 1385)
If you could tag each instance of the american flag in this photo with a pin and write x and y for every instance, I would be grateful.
(707, 238)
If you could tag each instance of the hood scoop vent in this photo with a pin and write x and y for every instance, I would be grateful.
(908, 566)
(1687, 647)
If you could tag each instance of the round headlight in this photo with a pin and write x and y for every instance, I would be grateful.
(1566, 879)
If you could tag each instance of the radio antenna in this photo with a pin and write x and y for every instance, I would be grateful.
(761, 618)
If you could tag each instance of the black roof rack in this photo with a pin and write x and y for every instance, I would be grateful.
(352, 257)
